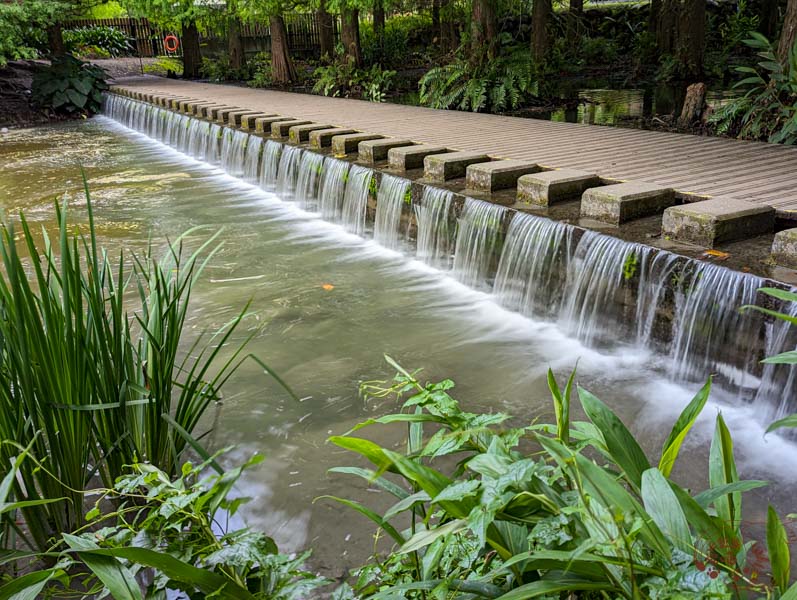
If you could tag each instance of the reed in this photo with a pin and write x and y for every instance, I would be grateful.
(95, 373)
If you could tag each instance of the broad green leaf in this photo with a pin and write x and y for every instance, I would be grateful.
(373, 452)
(706, 498)
(458, 490)
(778, 548)
(367, 512)
(622, 446)
(372, 477)
(117, 579)
(779, 294)
(790, 594)
(662, 505)
(30, 585)
(722, 471)
(428, 536)
(76, 98)
(790, 421)
(555, 583)
(687, 418)
(784, 358)
(561, 403)
(405, 504)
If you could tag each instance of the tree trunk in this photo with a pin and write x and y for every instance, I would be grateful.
(691, 37)
(192, 54)
(436, 16)
(379, 18)
(55, 40)
(448, 31)
(653, 16)
(694, 103)
(350, 35)
(282, 70)
(666, 21)
(540, 15)
(788, 34)
(235, 46)
(768, 18)
(326, 30)
(576, 7)
(484, 28)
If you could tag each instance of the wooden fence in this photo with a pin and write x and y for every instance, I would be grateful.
(302, 29)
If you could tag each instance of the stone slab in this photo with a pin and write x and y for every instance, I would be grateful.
(442, 167)
(348, 142)
(234, 118)
(549, 187)
(621, 202)
(248, 122)
(223, 114)
(263, 124)
(411, 157)
(374, 151)
(280, 129)
(214, 113)
(202, 108)
(718, 220)
(322, 138)
(784, 248)
(301, 133)
(498, 174)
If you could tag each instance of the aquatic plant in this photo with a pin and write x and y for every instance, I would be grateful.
(493, 510)
(91, 382)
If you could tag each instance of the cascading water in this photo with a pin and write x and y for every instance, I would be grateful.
(532, 273)
(333, 188)
(307, 181)
(233, 146)
(389, 202)
(269, 166)
(779, 381)
(212, 148)
(288, 171)
(481, 228)
(433, 215)
(355, 200)
(254, 148)
(197, 138)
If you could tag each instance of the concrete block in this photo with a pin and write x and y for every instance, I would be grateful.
(174, 102)
(234, 118)
(411, 157)
(374, 151)
(442, 167)
(621, 202)
(498, 174)
(718, 220)
(183, 106)
(322, 138)
(280, 129)
(223, 114)
(214, 113)
(784, 248)
(348, 142)
(263, 124)
(301, 133)
(548, 187)
(248, 121)
(202, 111)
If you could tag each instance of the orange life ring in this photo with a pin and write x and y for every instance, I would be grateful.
(171, 43)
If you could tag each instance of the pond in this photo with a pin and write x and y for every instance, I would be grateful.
(326, 305)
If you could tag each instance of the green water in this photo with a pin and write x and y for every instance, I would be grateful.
(326, 307)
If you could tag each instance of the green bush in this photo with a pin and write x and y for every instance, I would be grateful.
(96, 40)
(488, 508)
(260, 70)
(163, 65)
(341, 78)
(404, 43)
(598, 51)
(69, 85)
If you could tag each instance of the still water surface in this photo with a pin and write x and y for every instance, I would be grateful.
(327, 306)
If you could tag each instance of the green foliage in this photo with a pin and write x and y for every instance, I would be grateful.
(88, 384)
(219, 69)
(598, 50)
(260, 70)
(768, 109)
(403, 44)
(172, 531)
(341, 78)
(478, 516)
(493, 86)
(163, 65)
(737, 26)
(85, 40)
(69, 85)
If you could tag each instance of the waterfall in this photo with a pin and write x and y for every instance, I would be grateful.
(598, 304)
(254, 147)
(333, 188)
(269, 167)
(479, 238)
(308, 179)
(197, 138)
(709, 323)
(777, 393)
(233, 146)
(532, 272)
(433, 214)
(183, 123)
(288, 171)
(212, 149)
(389, 202)
(355, 200)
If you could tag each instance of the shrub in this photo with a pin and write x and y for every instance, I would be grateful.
(598, 51)
(163, 65)
(405, 40)
(494, 86)
(69, 85)
(260, 70)
(341, 78)
(97, 40)
(491, 509)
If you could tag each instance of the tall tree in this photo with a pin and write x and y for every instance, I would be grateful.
(484, 29)
(326, 26)
(350, 34)
(192, 52)
(448, 27)
(788, 34)
(691, 38)
(540, 15)
(235, 44)
(283, 70)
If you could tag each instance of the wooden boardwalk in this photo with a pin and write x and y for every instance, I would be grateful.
(708, 167)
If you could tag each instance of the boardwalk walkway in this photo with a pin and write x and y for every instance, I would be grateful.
(754, 171)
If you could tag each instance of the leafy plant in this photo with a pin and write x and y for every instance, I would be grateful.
(768, 110)
(341, 78)
(163, 65)
(108, 39)
(260, 69)
(87, 385)
(69, 85)
(173, 534)
(587, 512)
(494, 86)
(738, 26)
